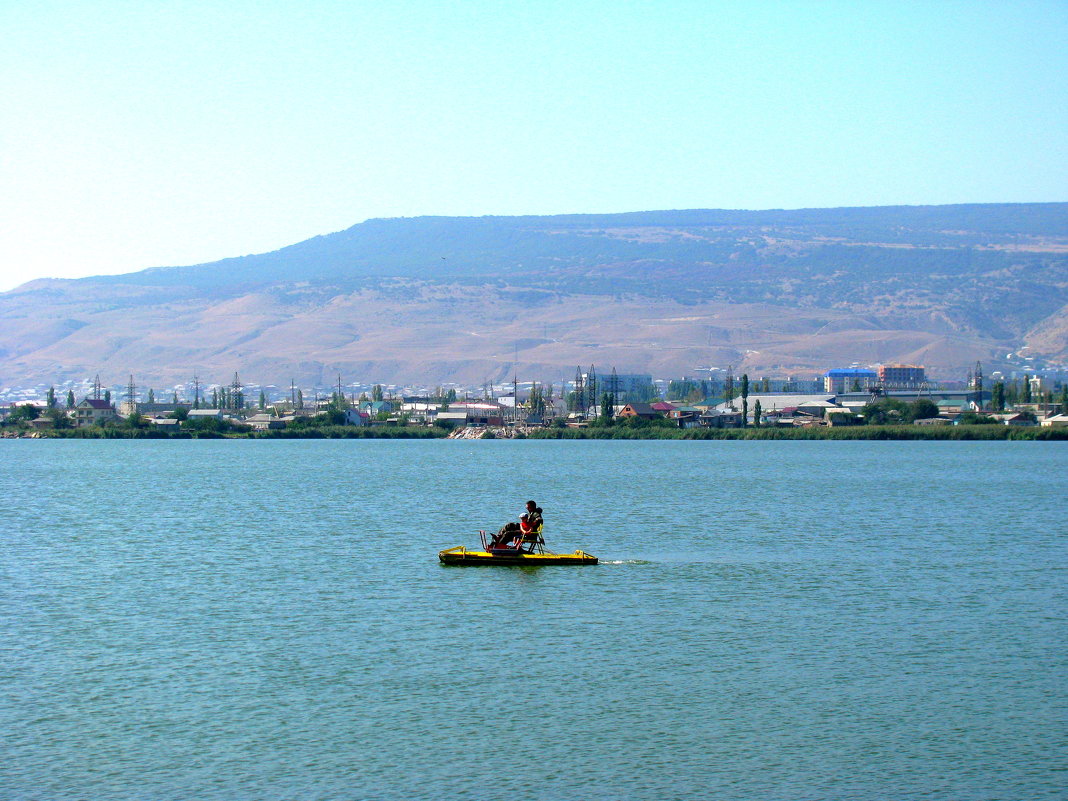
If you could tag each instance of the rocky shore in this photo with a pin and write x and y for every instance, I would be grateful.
(494, 432)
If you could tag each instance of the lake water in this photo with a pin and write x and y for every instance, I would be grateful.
(771, 620)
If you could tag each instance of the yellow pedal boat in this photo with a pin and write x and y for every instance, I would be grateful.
(460, 555)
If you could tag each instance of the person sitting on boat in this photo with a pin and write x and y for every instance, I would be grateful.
(510, 531)
(534, 521)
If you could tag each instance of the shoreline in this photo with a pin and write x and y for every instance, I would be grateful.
(986, 433)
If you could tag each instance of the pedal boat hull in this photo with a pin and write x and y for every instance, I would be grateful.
(460, 555)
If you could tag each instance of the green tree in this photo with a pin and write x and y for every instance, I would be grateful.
(856, 385)
(450, 396)
(975, 419)
(263, 400)
(151, 395)
(757, 412)
(1026, 391)
(214, 397)
(23, 413)
(537, 400)
(181, 414)
(922, 409)
(50, 398)
(300, 399)
(107, 396)
(1064, 398)
(607, 412)
(134, 420)
(70, 398)
(745, 398)
(60, 419)
(997, 396)
(376, 392)
(885, 410)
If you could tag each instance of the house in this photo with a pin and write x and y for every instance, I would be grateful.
(482, 413)
(715, 418)
(685, 416)
(265, 422)
(663, 407)
(1057, 421)
(93, 411)
(452, 419)
(1018, 419)
(838, 417)
(205, 414)
(843, 380)
(375, 408)
(642, 410)
(354, 417)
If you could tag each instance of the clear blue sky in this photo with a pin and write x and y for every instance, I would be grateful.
(148, 133)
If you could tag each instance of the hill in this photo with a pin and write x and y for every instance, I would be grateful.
(440, 299)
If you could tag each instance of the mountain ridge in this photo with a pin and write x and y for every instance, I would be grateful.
(945, 284)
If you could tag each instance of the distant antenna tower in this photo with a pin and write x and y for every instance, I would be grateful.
(615, 389)
(340, 395)
(237, 399)
(591, 391)
(96, 387)
(196, 391)
(131, 395)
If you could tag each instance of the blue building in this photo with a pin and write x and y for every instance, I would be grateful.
(845, 379)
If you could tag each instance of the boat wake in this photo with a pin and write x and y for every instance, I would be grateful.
(625, 562)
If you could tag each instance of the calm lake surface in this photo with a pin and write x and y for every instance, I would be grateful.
(771, 620)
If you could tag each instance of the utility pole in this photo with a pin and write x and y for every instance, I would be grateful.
(131, 395)
(591, 391)
(196, 391)
(237, 400)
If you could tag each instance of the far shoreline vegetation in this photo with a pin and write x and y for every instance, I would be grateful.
(629, 429)
(881, 418)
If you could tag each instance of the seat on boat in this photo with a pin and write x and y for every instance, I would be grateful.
(532, 540)
(528, 542)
